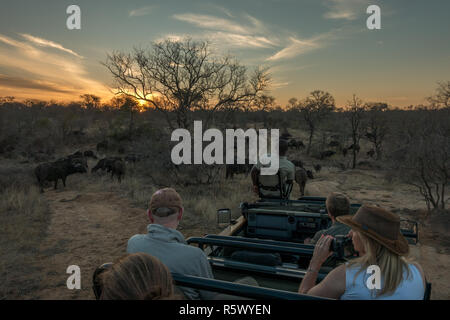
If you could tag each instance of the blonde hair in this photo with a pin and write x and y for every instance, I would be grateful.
(391, 264)
(138, 276)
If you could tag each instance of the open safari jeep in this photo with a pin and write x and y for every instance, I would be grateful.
(266, 243)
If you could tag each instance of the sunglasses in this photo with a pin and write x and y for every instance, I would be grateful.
(97, 285)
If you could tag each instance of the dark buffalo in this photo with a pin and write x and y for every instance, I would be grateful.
(118, 169)
(102, 145)
(371, 153)
(285, 136)
(232, 169)
(317, 167)
(326, 154)
(60, 169)
(353, 146)
(334, 143)
(89, 154)
(309, 174)
(105, 164)
(344, 152)
(295, 144)
(301, 176)
(297, 163)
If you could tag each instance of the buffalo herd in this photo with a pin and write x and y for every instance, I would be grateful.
(77, 163)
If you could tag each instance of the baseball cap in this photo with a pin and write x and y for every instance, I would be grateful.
(165, 198)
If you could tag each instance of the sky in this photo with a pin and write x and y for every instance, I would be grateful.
(306, 44)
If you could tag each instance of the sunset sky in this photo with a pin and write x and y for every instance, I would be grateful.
(308, 44)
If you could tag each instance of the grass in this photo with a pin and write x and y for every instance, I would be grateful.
(24, 218)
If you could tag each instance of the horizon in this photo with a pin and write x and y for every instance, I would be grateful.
(307, 45)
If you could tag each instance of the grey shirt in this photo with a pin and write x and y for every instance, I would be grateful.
(287, 172)
(169, 246)
(336, 228)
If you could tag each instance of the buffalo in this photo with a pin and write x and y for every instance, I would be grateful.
(89, 154)
(334, 143)
(301, 177)
(295, 144)
(326, 154)
(371, 153)
(309, 174)
(60, 169)
(297, 163)
(355, 147)
(102, 145)
(232, 169)
(105, 164)
(317, 167)
(118, 169)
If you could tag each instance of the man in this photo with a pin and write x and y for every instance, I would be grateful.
(269, 183)
(167, 244)
(337, 205)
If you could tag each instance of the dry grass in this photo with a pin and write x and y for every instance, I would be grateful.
(24, 218)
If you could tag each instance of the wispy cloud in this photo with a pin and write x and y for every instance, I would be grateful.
(211, 22)
(297, 47)
(144, 11)
(250, 34)
(31, 65)
(24, 83)
(47, 43)
(345, 9)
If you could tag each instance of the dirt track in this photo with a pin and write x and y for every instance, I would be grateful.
(90, 228)
(85, 230)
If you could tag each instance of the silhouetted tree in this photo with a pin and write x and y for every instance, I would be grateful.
(355, 113)
(314, 109)
(181, 76)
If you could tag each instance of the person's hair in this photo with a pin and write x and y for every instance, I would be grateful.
(391, 264)
(338, 204)
(165, 211)
(138, 276)
(283, 147)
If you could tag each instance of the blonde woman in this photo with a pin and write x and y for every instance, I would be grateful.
(376, 236)
(138, 276)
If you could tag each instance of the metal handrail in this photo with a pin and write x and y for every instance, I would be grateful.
(237, 289)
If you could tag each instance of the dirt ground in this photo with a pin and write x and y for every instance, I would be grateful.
(89, 228)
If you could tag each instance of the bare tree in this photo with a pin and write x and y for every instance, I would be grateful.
(315, 108)
(182, 76)
(90, 101)
(377, 126)
(355, 113)
(427, 164)
(442, 97)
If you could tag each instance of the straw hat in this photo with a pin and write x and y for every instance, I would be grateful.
(380, 225)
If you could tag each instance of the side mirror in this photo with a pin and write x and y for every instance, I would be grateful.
(223, 217)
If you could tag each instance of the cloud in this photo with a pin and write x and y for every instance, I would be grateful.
(37, 72)
(297, 47)
(345, 9)
(48, 43)
(241, 40)
(144, 11)
(211, 22)
(23, 83)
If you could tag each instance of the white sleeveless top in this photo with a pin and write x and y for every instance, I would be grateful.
(411, 288)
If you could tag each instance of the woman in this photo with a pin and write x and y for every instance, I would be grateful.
(137, 276)
(376, 236)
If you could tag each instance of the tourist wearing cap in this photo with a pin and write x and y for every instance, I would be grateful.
(376, 236)
(337, 205)
(167, 244)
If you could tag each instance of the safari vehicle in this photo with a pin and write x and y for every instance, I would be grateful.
(266, 243)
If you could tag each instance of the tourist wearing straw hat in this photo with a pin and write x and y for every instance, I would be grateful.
(376, 235)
